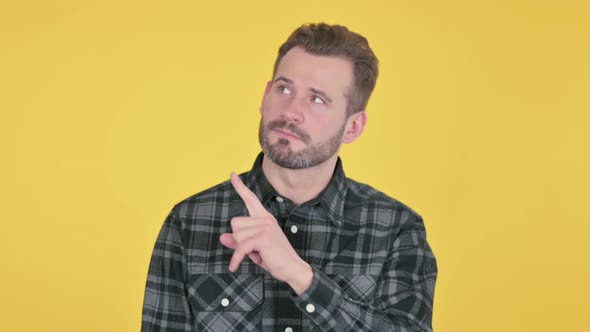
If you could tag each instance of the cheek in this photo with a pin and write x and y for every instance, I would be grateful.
(318, 125)
(273, 107)
(326, 119)
(269, 105)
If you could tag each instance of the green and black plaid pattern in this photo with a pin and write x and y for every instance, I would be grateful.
(373, 269)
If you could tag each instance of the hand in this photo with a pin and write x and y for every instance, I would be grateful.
(260, 238)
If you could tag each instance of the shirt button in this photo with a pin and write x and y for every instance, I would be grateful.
(294, 229)
(310, 308)
(280, 199)
(288, 329)
(225, 302)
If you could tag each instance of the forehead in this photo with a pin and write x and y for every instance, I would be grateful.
(333, 74)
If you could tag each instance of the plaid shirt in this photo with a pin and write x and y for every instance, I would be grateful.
(373, 269)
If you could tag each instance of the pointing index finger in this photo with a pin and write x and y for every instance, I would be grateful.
(255, 208)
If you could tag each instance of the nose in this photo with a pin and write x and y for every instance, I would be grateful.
(293, 111)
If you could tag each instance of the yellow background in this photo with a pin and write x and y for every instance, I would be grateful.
(113, 111)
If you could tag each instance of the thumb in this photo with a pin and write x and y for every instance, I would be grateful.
(227, 239)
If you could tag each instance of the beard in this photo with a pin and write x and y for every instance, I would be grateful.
(281, 153)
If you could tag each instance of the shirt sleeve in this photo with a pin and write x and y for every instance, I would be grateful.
(165, 306)
(403, 297)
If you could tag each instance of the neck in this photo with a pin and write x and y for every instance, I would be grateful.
(299, 185)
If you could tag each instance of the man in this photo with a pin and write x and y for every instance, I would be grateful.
(294, 245)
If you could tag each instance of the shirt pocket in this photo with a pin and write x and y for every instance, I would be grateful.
(226, 301)
(358, 287)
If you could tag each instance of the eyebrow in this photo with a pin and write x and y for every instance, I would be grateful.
(316, 91)
(283, 78)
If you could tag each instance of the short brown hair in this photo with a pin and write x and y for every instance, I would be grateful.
(337, 40)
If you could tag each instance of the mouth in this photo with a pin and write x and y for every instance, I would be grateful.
(287, 134)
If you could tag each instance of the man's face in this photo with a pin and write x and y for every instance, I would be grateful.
(304, 109)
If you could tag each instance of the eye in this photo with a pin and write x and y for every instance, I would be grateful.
(317, 100)
(284, 90)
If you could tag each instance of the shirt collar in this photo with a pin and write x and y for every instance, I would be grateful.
(332, 198)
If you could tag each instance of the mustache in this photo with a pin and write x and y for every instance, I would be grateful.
(303, 135)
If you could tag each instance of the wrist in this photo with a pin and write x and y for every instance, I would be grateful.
(301, 278)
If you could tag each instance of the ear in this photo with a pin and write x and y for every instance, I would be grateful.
(354, 126)
(266, 91)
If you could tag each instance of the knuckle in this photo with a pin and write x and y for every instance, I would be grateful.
(237, 237)
(241, 250)
(238, 255)
(266, 228)
(267, 233)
